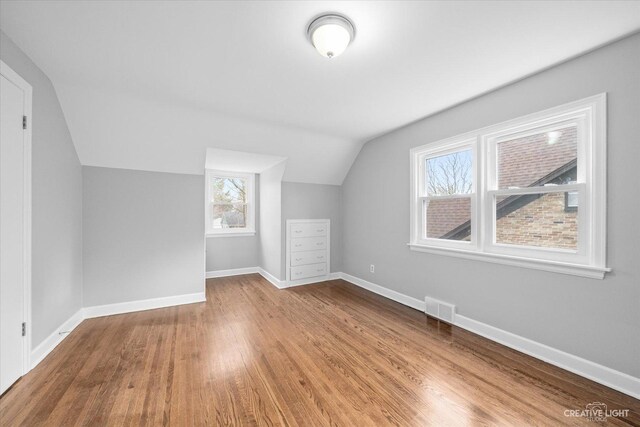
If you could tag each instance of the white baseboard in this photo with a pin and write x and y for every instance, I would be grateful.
(292, 283)
(601, 374)
(231, 272)
(283, 284)
(45, 347)
(280, 284)
(617, 380)
(386, 292)
(148, 304)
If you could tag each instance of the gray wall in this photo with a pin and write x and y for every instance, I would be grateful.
(143, 235)
(270, 219)
(56, 206)
(225, 253)
(314, 201)
(595, 319)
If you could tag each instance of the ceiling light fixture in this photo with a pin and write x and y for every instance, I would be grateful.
(330, 34)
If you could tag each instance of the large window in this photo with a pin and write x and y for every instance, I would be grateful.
(529, 192)
(230, 203)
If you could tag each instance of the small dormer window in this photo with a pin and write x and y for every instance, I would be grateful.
(230, 203)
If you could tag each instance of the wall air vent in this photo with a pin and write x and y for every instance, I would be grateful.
(440, 310)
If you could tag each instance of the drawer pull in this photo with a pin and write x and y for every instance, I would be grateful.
(298, 273)
(298, 259)
(320, 243)
(320, 270)
(320, 230)
(298, 245)
(298, 231)
(319, 257)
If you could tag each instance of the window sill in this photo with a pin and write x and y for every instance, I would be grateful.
(244, 233)
(536, 264)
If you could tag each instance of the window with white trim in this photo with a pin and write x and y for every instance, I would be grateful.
(528, 192)
(230, 205)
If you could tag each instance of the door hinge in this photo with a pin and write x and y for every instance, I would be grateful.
(24, 329)
(24, 122)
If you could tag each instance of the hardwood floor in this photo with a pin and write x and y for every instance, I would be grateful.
(323, 354)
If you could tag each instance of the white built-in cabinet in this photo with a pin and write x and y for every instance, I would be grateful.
(308, 249)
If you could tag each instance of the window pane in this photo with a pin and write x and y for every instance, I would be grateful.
(449, 174)
(229, 190)
(449, 219)
(543, 158)
(541, 220)
(229, 216)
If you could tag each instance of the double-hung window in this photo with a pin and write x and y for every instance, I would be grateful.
(528, 192)
(230, 204)
(446, 199)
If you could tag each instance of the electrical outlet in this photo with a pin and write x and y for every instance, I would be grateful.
(372, 268)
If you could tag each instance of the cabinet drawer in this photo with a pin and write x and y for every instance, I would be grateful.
(308, 257)
(308, 230)
(308, 244)
(311, 270)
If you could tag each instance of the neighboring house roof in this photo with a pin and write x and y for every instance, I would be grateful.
(524, 162)
(445, 215)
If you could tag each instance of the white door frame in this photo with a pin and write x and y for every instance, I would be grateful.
(15, 78)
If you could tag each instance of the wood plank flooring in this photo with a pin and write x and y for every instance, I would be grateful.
(323, 354)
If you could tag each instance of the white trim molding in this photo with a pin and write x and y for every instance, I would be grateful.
(230, 234)
(60, 333)
(280, 284)
(616, 380)
(16, 79)
(311, 280)
(141, 305)
(39, 353)
(516, 261)
(601, 374)
(283, 284)
(231, 272)
(386, 292)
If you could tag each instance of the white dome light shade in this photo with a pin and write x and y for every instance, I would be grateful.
(331, 34)
(330, 40)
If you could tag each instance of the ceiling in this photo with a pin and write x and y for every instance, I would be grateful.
(151, 85)
(239, 161)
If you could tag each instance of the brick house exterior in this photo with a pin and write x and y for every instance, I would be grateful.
(531, 220)
(543, 222)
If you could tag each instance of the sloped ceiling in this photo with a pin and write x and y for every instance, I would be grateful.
(240, 161)
(151, 85)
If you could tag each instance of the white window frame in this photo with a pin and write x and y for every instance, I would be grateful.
(589, 116)
(250, 228)
(449, 146)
